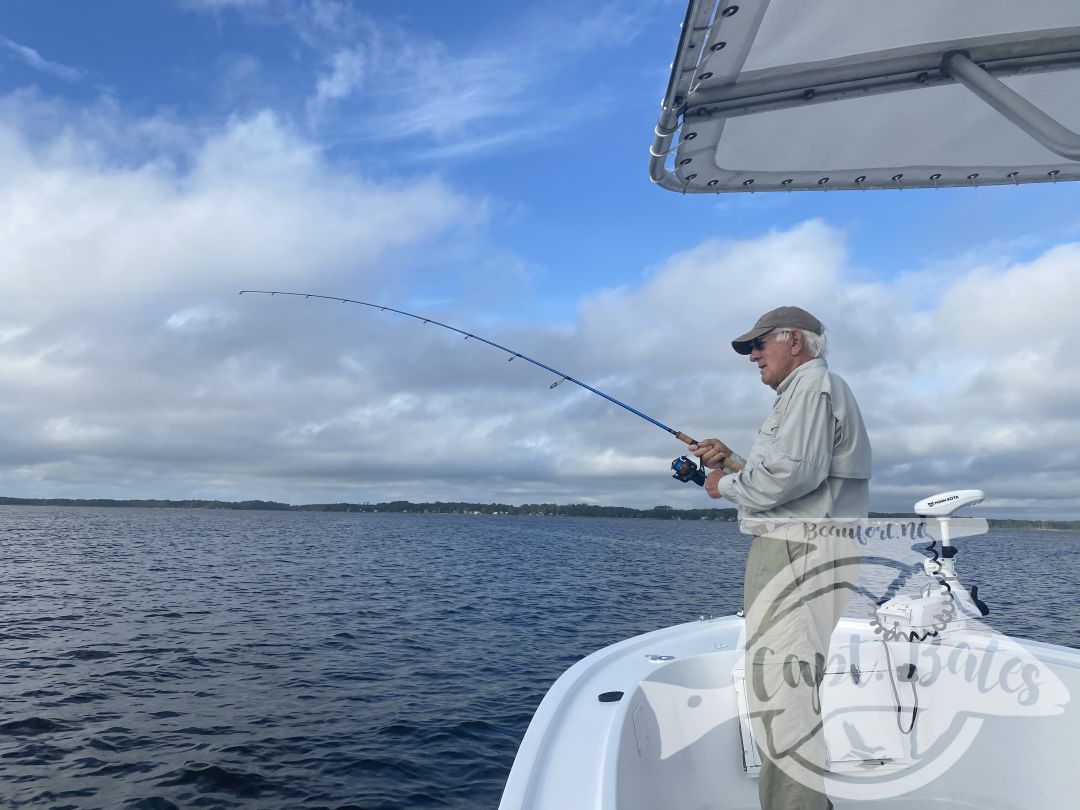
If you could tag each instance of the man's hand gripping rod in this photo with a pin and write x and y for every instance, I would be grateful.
(686, 470)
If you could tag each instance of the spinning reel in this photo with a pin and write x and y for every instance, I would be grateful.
(686, 471)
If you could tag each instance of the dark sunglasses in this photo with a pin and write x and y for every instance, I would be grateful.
(758, 343)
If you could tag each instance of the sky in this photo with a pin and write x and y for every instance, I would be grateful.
(486, 165)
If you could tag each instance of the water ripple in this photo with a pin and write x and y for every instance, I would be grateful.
(159, 659)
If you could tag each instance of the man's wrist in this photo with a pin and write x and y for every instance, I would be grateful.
(723, 484)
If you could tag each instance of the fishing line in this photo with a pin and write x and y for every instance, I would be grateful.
(682, 467)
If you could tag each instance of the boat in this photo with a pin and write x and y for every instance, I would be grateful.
(924, 704)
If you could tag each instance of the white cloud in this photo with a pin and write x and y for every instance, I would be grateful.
(66, 430)
(130, 360)
(35, 60)
(381, 81)
(202, 318)
(345, 74)
(999, 412)
(489, 98)
(252, 204)
(217, 6)
(132, 368)
(994, 417)
(451, 96)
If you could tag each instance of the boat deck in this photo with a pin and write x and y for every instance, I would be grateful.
(995, 725)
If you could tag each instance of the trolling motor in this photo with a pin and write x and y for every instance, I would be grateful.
(944, 604)
(686, 471)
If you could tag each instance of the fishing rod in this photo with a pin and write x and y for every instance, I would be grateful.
(684, 469)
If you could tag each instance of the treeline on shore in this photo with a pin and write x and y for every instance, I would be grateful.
(439, 507)
(463, 508)
(528, 510)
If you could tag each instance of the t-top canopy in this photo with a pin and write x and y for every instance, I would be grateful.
(788, 95)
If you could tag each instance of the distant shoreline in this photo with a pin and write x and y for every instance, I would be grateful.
(407, 507)
(463, 508)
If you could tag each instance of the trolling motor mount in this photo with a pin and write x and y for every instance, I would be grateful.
(686, 471)
(945, 604)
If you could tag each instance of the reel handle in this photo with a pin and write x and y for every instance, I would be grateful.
(730, 464)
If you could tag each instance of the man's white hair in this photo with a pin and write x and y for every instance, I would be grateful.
(814, 343)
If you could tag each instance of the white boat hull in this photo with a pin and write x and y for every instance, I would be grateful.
(989, 733)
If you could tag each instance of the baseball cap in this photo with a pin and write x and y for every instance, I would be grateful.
(780, 318)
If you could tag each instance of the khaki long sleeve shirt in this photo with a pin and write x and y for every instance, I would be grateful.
(811, 458)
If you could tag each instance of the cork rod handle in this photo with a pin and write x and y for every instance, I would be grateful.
(730, 464)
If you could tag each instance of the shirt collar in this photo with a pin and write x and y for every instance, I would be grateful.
(817, 362)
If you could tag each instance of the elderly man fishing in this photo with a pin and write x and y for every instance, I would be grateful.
(810, 462)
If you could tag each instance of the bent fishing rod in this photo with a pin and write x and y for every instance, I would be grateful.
(684, 469)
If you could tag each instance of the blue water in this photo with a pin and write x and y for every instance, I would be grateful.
(189, 658)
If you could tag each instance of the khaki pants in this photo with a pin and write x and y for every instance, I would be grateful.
(795, 591)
